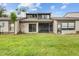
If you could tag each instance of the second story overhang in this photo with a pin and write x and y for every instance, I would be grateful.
(35, 20)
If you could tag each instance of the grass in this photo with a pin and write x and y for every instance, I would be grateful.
(39, 45)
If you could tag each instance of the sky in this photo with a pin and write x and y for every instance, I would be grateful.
(57, 9)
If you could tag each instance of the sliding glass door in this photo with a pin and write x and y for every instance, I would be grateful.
(32, 27)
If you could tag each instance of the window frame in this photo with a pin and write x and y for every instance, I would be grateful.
(33, 28)
(68, 28)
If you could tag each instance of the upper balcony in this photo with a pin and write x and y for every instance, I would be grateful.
(38, 16)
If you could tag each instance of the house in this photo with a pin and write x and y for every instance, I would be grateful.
(37, 22)
(67, 24)
(42, 23)
(6, 26)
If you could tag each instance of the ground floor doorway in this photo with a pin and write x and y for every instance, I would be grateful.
(45, 27)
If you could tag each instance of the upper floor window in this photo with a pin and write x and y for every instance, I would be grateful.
(39, 16)
(32, 16)
(43, 16)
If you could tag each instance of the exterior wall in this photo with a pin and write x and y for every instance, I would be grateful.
(55, 23)
(76, 22)
(55, 26)
(5, 28)
(77, 25)
(37, 27)
(16, 27)
(25, 27)
(72, 31)
(68, 31)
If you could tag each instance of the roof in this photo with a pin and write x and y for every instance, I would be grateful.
(72, 14)
(65, 18)
(4, 18)
(54, 18)
(37, 13)
(7, 18)
(40, 20)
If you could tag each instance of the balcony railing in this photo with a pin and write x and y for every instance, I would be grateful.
(36, 18)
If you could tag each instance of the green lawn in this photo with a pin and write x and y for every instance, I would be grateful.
(39, 45)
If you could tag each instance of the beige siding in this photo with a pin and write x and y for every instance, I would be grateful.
(55, 26)
(68, 31)
(25, 27)
(16, 27)
(37, 27)
(77, 26)
(4, 28)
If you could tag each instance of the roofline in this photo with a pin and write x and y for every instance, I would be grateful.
(38, 13)
(69, 13)
(8, 18)
(24, 21)
(65, 18)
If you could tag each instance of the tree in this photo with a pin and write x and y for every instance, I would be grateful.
(19, 10)
(2, 9)
(13, 18)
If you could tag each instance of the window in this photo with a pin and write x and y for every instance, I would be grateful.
(59, 26)
(64, 25)
(68, 26)
(43, 16)
(71, 25)
(32, 27)
(12, 27)
(46, 16)
(40, 16)
(32, 16)
(1, 24)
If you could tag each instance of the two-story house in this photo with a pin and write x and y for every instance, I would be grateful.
(37, 22)
(42, 23)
